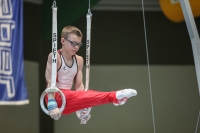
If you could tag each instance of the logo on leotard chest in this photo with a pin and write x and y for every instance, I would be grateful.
(64, 67)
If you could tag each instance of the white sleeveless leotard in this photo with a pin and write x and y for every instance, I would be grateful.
(66, 74)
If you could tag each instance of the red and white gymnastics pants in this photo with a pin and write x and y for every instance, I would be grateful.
(77, 100)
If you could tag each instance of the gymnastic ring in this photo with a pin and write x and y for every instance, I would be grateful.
(52, 89)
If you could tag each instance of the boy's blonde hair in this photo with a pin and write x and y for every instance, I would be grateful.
(67, 30)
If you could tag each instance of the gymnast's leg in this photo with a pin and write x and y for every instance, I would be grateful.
(76, 100)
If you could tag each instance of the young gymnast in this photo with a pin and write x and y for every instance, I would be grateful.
(69, 72)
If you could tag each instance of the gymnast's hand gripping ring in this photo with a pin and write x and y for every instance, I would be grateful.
(52, 89)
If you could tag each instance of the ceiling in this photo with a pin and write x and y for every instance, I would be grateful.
(34, 1)
(127, 5)
(119, 5)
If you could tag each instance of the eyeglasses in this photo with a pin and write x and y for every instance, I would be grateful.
(74, 44)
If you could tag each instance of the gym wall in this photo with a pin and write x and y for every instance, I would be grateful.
(118, 60)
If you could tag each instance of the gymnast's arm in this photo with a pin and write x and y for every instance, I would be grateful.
(78, 82)
(54, 113)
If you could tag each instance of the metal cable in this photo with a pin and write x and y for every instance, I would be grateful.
(149, 73)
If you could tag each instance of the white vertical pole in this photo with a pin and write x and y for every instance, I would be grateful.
(194, 36)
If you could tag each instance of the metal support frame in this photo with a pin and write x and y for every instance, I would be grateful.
(194, 36)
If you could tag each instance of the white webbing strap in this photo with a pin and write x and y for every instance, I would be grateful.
(54, 45)
(53, 87)
(88, 46)
(87, 79)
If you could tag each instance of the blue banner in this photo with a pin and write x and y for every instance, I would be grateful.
(12, 83)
